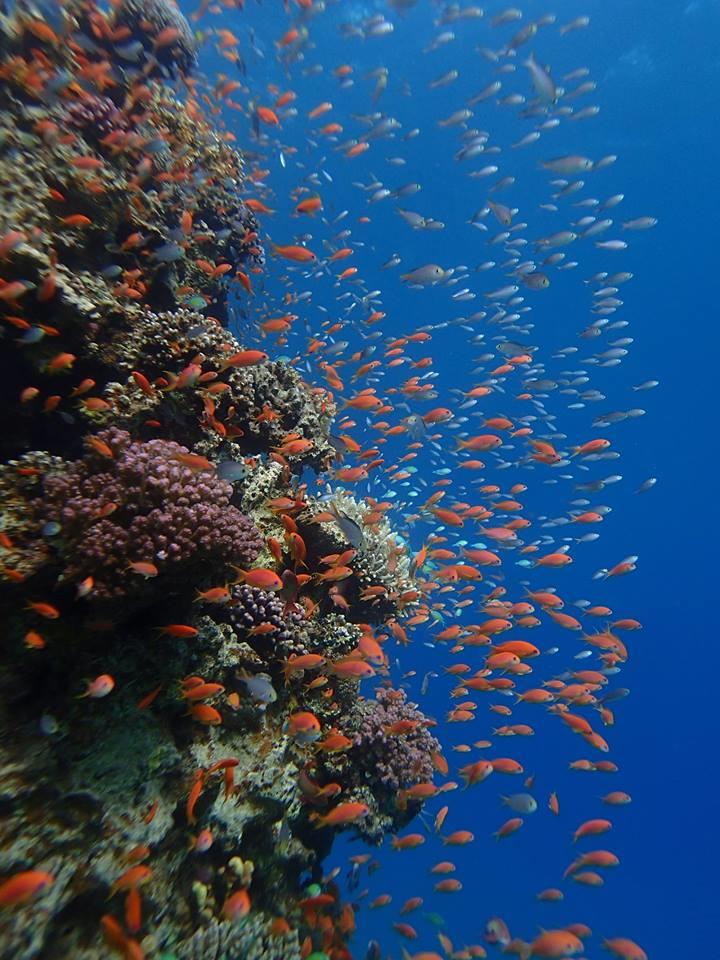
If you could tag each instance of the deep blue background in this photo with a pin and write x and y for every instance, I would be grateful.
(658, 70)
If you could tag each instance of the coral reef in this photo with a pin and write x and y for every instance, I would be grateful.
(165, 20)
(175, 597)
(219, 941)
(257, 408)
(380, 585)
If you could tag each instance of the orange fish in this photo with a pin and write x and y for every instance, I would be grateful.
(245, 358)
(24, 886)
(100, 687)
(509, 827)
(294, 252)
(262, 578)
(342, 815)
(407, 842)
(204, 713)
(267, 116)
(237, 905)
(556, 943)
(310, 206)
(132, 878)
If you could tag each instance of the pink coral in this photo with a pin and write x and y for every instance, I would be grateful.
(393, 761)
(144, 505)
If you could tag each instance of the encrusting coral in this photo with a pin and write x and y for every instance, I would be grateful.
(156, 536)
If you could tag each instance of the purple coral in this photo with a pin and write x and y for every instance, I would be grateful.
(144, 505)
(252, 607)
(95, 115)
(394, 761)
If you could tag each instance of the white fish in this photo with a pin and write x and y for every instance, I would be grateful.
(541, 80)
(577, 24)
(572, 163)
(611, 244)
(506, 16)
(425, 276)
(640, 223)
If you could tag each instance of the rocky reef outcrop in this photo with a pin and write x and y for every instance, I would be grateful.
(192, 642)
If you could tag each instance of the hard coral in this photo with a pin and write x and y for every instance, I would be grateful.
(382, 761)
(95, 115)
(381, 562)
(255, 608)
(392, 761)
(177, 55)
(251, 940)
(167, 341)
(143, 504)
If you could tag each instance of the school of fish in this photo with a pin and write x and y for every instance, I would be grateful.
(496, 476)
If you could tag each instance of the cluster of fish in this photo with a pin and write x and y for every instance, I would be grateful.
(489, 465)
(482, 539)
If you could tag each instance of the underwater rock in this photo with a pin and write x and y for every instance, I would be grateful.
(226, 941)
(23, 550)
(150, 19)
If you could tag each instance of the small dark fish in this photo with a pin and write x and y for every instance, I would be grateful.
(131, 51)
(232, 471)
(352, 531)
(109, 273)
(613, 695)
(168, 253)
(373, 951)
(416, 427)
(157, 145)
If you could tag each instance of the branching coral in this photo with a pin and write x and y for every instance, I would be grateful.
(132, 503)
(388, 758)
(392, 750)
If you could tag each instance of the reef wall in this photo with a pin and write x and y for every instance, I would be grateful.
(186, 626)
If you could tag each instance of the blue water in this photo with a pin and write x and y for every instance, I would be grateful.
(657, 69)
